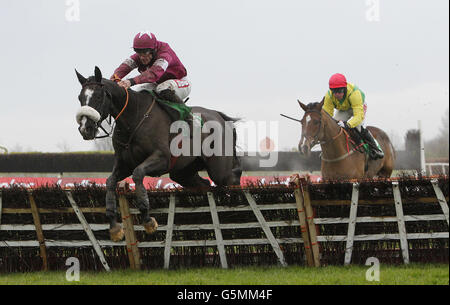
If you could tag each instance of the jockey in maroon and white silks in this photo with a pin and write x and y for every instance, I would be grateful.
(160, 67)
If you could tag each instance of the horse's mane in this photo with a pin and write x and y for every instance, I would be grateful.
(315, 106)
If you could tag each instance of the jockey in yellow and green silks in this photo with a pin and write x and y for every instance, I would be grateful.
(349, 101)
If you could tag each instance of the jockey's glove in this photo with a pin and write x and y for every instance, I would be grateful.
(343, 124)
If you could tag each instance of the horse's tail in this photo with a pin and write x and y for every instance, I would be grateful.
(237, 170)
(394, 152)
(228, 118)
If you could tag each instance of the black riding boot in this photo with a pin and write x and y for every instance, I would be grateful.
(170, 96)
(375, 151)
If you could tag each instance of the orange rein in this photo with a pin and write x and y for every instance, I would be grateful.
(348, 139)
(117, 79)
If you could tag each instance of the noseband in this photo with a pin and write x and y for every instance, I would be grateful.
(316, 136)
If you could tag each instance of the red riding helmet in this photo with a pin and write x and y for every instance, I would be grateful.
(337, 81)
(144, 40)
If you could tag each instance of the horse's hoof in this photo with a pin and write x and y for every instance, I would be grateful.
(151, 226)
(116, 233)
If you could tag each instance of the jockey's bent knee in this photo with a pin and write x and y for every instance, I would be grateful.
(181, 87)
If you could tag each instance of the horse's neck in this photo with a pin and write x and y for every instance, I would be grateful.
(124, 105)
(130, 113)
(333, 139)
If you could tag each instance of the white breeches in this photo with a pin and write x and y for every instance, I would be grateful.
(181, 87)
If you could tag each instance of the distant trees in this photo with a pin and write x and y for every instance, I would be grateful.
(63, 146)
(104, 144)
(438, 147)
(397, 141)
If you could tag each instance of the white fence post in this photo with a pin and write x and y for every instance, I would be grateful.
(218, 232)
(88, 231)
(266, 229)
(351, 224)
(401, 222)
(441, 198)
(169, 231)
(443, 165)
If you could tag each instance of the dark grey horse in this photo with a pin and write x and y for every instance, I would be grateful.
(142, 144)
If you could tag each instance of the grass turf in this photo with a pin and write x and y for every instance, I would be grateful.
(413, 274)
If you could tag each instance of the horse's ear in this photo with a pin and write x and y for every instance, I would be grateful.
(322, 102)
(302, 105)
(98, 75)
(80, 77)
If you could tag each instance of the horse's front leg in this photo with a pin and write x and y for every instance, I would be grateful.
(119, 173)
(154, 166)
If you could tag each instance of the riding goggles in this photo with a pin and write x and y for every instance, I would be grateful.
(338, 90)
(143, 51)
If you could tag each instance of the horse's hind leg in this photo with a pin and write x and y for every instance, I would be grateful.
(388, 167)
(154, 166)
(119, 173)
(189, 179)
(388, 162)
(188, 176)
(224, 171)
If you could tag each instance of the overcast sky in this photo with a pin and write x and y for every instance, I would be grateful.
(247, 58)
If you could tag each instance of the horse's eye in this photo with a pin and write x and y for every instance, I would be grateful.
(316, 122)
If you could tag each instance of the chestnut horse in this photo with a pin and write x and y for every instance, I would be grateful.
(341, 157)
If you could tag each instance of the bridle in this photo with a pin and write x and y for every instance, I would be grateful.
(146, 115)
(341, 131)
(316, 136)
(102, 118)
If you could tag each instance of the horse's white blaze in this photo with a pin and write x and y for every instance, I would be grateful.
(83, 123)
(88, 112)
(88, 94)
(308, 119)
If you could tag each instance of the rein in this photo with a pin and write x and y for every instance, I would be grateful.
(130, 139)
(348, 139)
(125, 106)
(146, 115)
(341, 131)
(117, 79)
(108, 134)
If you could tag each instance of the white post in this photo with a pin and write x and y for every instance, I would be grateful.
(169, 231)
(351, 224)
(217, 230)
(423, 168)
(401, 222)
(88, 230)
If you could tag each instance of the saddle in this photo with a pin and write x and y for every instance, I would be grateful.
(175, 110)
(360, 145)
(358, 142)
(364, 145)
